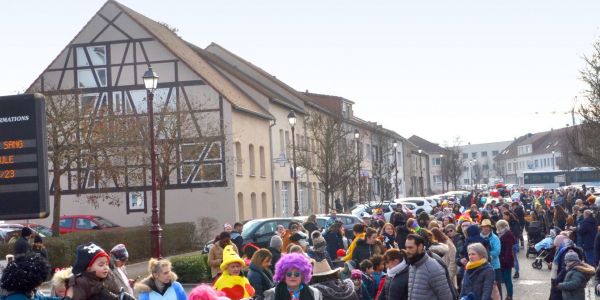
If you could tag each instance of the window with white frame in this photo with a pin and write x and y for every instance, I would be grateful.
(437, 179)
(436, 161)
(285, 198)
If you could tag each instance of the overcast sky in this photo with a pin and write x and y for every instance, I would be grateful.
(482, 70)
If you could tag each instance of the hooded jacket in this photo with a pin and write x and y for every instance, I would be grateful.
(573, 287)
(494, 249)
(473, 237)
(147, 290)
(337, 289)
(88, 286)
(587, 232)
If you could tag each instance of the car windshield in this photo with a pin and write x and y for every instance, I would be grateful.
(249, 227)
(104, 222)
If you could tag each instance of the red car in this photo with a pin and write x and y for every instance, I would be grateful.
(77, 223)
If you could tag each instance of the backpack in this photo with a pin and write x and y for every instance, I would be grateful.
(443, 264)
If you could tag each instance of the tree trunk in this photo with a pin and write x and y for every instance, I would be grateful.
(162, 201)
(57, 199)
(326, 200)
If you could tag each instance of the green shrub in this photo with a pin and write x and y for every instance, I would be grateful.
(176, 238)
(191, 269)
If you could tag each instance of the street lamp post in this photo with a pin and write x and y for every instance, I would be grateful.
(553, 159)
(442, 167)
(421, 167)
(292, 120)
(357, 138)
(150, 83)
(396, 169)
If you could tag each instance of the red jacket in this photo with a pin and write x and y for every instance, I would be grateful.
(507, 260)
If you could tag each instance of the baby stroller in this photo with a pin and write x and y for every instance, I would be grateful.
(534, 235)
(544, 255)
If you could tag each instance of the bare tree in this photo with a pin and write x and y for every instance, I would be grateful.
(383, 166)
(454, 162)
(80, 142)
(329, 156)
(583, 138)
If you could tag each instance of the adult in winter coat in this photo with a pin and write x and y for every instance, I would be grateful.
(215, 254)
(161, 284)
(396, 282)
(402, 232)
(318, 252)
(587, 231)
(365, 248)
(334, 239)
(450, 257)
(507, 241)
(478, 280)
(427, 277)
(494, 250)
(293, 272)
(578, 274)
(275, 249)
(259, 276)
(22, 245)
(473, 236)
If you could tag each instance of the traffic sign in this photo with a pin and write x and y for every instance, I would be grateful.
(23, 157)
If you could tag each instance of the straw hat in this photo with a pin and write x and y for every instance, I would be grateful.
(486, 222)
(322, 268)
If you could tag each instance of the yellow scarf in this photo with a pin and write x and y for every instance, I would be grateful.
(474, 264)
(352, 246)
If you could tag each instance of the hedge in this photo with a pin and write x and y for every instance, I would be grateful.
(176, 238)
(192, 268)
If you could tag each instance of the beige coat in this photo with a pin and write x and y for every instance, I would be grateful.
(215, 258)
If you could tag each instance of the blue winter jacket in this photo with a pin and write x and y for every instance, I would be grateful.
(473, 237)
(494, 251)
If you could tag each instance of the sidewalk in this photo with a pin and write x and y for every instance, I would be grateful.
(135, 271)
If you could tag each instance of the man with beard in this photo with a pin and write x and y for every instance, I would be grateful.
(427, 277)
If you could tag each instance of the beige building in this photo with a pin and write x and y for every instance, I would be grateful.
(234, 159)
(104, 64)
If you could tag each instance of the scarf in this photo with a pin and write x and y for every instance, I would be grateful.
(397, 269)
(476, 264)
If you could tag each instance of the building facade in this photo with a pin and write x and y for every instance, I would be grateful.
(436, 180)
(540, 151)
(479, 164)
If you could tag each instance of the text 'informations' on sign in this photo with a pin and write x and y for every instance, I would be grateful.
(23, 157)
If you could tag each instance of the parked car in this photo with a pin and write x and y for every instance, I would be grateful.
(421, 203)
(348, 222)
(43, 231)
(75, 223)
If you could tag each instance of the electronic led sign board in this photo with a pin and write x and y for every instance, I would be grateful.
(23, 157)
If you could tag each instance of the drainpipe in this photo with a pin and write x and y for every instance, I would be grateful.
(272, 166)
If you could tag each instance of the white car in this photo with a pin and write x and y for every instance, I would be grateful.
(421, 204)
(387, 207)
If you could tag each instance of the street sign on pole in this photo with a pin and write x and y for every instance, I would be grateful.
(23, 157)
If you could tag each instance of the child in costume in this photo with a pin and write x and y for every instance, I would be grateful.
(232, 282)
(92, 278)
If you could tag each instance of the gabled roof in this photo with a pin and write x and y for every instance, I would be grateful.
(255, 76)
(195, 62)
(426, 145)
(332, 104)
(541, 143)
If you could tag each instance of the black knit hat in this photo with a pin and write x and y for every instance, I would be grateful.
(86, 255)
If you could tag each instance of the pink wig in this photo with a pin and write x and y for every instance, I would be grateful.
(205, 292)
(293, 260)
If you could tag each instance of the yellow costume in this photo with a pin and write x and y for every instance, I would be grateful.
(235, 287)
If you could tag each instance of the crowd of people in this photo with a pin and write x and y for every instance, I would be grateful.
(464, 249)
